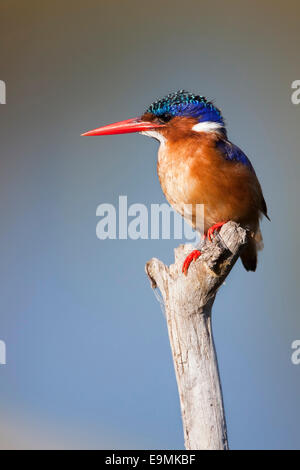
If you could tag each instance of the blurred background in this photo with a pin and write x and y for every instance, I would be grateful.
(88, 358)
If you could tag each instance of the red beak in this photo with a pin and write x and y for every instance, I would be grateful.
(124, 127)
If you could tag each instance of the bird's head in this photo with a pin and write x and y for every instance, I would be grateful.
(174, 115)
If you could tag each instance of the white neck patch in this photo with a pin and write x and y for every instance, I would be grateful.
(207, 126)
(156, 135)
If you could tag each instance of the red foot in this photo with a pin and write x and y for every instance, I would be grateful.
(211, 230)
(191, 257)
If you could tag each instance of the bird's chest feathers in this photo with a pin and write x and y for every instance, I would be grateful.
(176, 170)
(173, 173)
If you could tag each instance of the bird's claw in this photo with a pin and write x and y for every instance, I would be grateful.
(211, 231)
(194, 255)
(191, 257)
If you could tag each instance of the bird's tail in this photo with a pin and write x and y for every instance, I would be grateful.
(249, 254)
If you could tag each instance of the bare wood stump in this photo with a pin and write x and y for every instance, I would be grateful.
(188, 302)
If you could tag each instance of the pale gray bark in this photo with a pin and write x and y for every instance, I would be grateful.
(188, 302)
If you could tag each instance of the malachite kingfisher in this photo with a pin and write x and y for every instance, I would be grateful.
(197, 164)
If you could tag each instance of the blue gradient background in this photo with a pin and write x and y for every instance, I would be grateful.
(89, 364)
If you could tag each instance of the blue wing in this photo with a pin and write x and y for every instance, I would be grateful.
(233, 153)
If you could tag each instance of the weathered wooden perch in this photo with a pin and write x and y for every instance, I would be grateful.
(188, 302)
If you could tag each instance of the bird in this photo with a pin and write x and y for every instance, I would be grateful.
(198, 164)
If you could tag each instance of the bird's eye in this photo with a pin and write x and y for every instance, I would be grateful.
(165, 117)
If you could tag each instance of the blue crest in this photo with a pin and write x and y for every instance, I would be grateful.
(183, 103)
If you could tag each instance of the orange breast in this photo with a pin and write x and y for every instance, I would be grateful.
(192, 171)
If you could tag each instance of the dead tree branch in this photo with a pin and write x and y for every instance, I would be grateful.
(188, 302)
